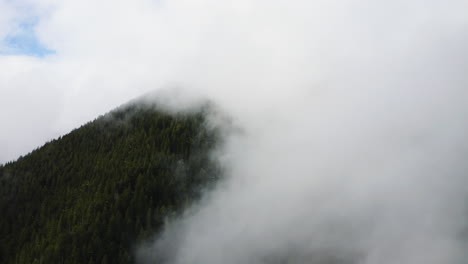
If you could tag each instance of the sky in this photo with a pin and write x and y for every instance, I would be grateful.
(62, 63)
(353, 115)
(24, 42)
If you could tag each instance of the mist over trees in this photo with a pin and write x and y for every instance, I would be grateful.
(93, 194)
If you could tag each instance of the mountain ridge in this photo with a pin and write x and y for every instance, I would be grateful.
(90, 195)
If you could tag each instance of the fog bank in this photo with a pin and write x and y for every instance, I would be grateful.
(351, 116)
(354, 120)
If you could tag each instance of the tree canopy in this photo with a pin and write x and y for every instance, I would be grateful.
(91, 195)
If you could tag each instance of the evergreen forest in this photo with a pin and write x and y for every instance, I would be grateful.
(92, 195)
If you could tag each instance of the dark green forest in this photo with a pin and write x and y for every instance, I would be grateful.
(92, 195)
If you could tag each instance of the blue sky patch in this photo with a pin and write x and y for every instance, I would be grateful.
(24, 42)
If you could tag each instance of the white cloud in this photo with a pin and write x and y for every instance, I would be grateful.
(6, 22)
(354, 112)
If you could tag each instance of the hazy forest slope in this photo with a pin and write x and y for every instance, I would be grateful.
(91, 195)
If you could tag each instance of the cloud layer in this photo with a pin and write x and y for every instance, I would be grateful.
(353, 112)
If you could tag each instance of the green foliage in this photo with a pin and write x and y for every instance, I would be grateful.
(91, 195)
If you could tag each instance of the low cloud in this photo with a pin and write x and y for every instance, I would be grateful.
(353, 116)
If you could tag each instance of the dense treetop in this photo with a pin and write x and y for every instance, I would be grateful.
(91, 195)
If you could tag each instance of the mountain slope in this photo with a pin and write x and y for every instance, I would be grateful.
(89, 196)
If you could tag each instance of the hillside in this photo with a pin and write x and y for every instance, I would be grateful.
(93, 194)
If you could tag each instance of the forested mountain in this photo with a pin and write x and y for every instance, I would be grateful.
(93, 194)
